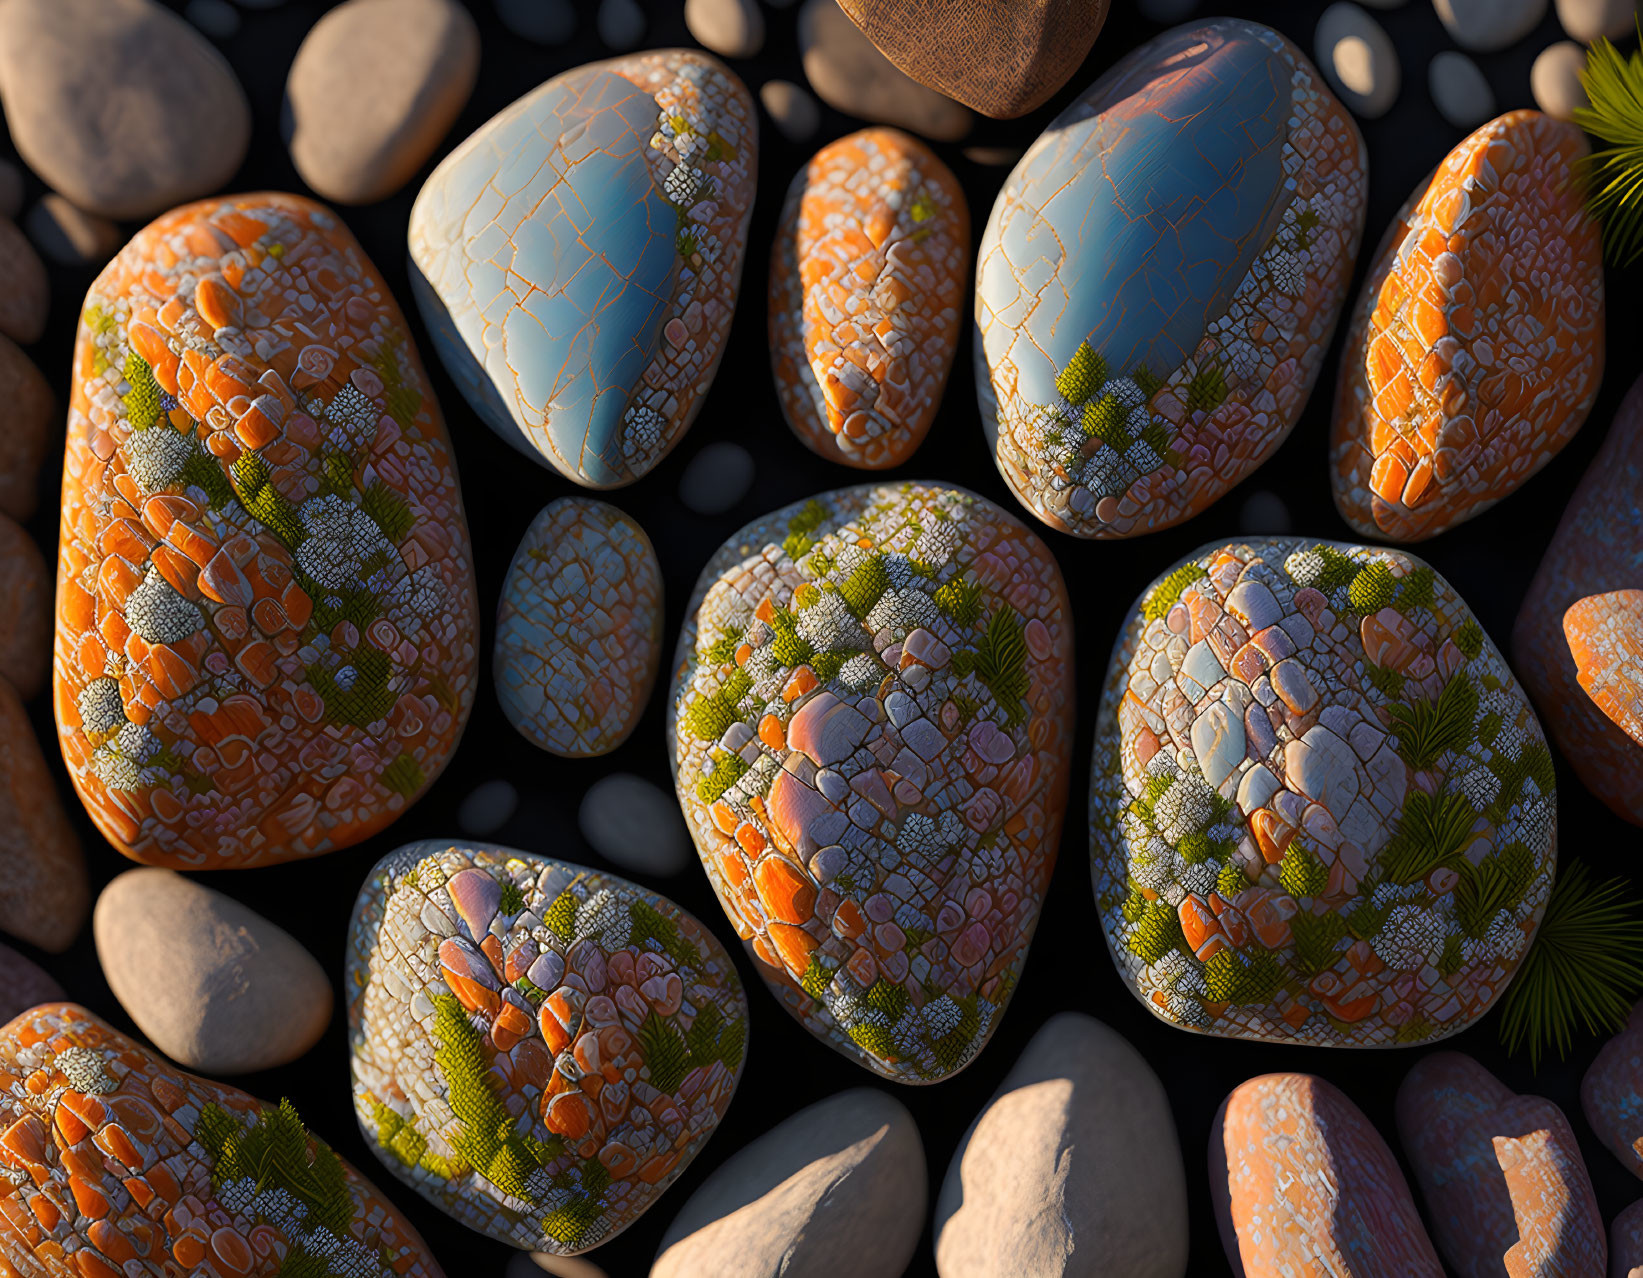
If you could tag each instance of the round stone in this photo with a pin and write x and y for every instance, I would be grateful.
(24, 435)
(489, 984)
(1358, 59)
(837, 1187)
(212, 984)
(1002, 60)
(24, 293)
(1611, 1094)
(1626, 1243)
(1554, 79)
(594, 352)
(11, 190)
(252, 1168)
(579, 629)
(1302, 1181)
(490, 805)
(374, 87)
(1132, 378)
(23, 985)
(1504, 1183)
(1579, 633)
(1264, 513)
(217, 18)
(1586, 20)
(544, 21)
(791, 109)
(533, 1264)
(731, 28)
(119, 105)
(634, 825)
(851, 75)
(1471, 358)
(1312, 774)
(1075, 1155)
(867, 277)
(870, 722)
(25, 612)
(70, 236)
(265, 603)
(1458, 89)
(1484, 26)
(716, 479)
(621, 23)
(44, 896)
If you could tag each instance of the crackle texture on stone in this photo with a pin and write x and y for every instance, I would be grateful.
(266, 625)
(866, 288)
(1476, 347)
(579, 629)
(1578, 640)
(538, 1049)
(1304, 1185)
(114, 1162)
(871, 721)
(577, 259)
(1160, 277)
(1321, 809)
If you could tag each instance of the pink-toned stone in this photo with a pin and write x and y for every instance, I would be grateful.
(1611, 1095)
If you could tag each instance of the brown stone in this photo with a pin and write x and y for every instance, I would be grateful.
(25, 611)
(71, 236)
(23, 985)
(851, 75)
(25, 431)
(24, 293)
(43, 889)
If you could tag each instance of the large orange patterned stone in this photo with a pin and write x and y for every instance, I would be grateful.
(1502, 1176)
(1304, 1185)
(114, 1162)
(44, 894)
(1579, 632)
(866, 293)
(577, 259)
(537, 1049)
(1611, 1094)
(1160, 277)
(266, 625)
(1321, 809)
(871, 721)
(1476, 346)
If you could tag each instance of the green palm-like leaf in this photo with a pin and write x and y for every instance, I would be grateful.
(1614, 175)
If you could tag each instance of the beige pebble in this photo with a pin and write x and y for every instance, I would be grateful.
(25, 431)
(731, 28)
(24, 293)
(852, 76)
(1554, 79)
(791, 108)
(1357, 58)
(70, 236)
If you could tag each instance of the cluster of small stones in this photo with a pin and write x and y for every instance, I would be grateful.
(114, 1163)
(579, 629)
(492, 264)
(537, 1049)
(266, 625)
(1117, 451)
(866, 294)
(872, 715)
(1321, 809)
(1476, 347)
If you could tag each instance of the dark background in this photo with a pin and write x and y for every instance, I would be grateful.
(1490, 560)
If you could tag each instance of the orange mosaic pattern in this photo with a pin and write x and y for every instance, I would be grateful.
(1476, 347)
(866, 294)
(1578, 629)
(266, 624)
(113, 1163)
(871, 722)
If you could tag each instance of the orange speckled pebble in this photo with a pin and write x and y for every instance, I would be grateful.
(115, 1163)
(1305, 1187)
(1580, 629)
(266, 625)
(866, 292)
(1476, 347)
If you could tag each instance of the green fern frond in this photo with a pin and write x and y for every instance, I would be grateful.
(1614, 176)
(1583, 966)
(1427, 729)
(1001, 662)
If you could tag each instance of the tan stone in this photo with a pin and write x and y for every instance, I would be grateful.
(24, 292)
(25, 611)
(43, 889)
(852, 76)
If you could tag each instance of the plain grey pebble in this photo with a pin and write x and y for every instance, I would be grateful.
(621, 23)
(1459, 90)
(488, 808)
(716, 479)
(1263, 513)
(11, 190)
(217, 18)
(634, 825)
(544, 21)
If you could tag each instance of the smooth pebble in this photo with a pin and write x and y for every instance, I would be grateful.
(851, 75)
(791, 108)
(1459, 90)
(1357, 58)
(544, 21)
(217, 18)
(731, 28)
(70, 236)
(1554, 79)
(490, 805)
(634, 825)
(621, 23)
(1586, 20)
(1484, 26)
(716, 478)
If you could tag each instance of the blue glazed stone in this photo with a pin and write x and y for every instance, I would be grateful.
(1160, 275)
(577, 259)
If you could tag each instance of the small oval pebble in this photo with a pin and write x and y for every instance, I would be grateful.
(120, 105)
(595, 361)
(791, 108)
(1074, 1157)
(1626, 1243)
(1484, 26)
(851, 75)
(214, 985)
(579, 629)
(1358, 59)
(634, 825)
(1141, 367)
(71, 236)
(24, 442)
(491, 984)
(731, 28)
(533, 1264)
(1303, 1184)
(23, 985)
(621, 23)
(1611, 1094)
(1471, 358)
(1458, 89)
(44, 896)
(927, 625)
(24, 293)
(217, 18)
(716, 479)
(243, 1171)
(1264, 513)
(489, 806)
(1554, 79)
(1250, 882)
(265, 604)
(1586, 20)
(544, 21)
(25, 611)
(838, 1187)
(1504, 1183)
(373, 89)
(867, 277)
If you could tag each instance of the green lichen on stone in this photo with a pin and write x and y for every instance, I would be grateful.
(1469, 639)
(254, 485)
(1104, 419)
(142, 399)
(1416, 589)
(865, 586)
(398, 1135)
(1301, 873)
(513, 900)
(1157, 933)
(1207, 390)
(1372, 588)
(275, 1153)
(817, 976)
(1339, 568)
(1316, 936)
(646, 923)
(1384, 679)
(960, 601)
(1427, 730)
(788, 647)
(403, 776)
(404, 400)
(887, 997)
(1084, 374)
(561, 916)
(727, 770)
(665, 1053)
(365, 701)
(874, 1039)
(826, 665)
(708, 715)
(722, 651)
(1167, 593)
(388, 509)
(204, 472)
(1231, 880)
(1148, 381)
